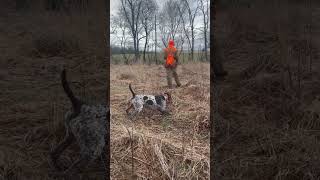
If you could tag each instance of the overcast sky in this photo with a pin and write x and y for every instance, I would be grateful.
(114, 6)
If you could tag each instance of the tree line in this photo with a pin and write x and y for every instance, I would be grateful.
(146, 26)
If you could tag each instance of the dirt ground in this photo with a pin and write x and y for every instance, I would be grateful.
(163, 146)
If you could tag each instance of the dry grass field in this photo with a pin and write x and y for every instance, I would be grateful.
(156, 146)
(267, 110)
(34, 48)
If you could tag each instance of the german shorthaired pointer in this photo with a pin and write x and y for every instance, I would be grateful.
(156, 102)
(86, 125)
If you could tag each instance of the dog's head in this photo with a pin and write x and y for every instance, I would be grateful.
(167, 96)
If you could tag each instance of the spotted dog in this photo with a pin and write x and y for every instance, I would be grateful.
(87, 126)
(156, 102)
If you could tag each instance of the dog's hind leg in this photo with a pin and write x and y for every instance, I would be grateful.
(130, 107)
(55, 154)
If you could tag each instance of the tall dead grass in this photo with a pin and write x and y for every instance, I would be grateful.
(265, 128)
(163, 147)
(36, 45)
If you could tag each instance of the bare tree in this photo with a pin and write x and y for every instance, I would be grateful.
(182, 14)
(148, 11)
(170, 21)
(131, 12)
(190, 8)
(204, 8)
(170, 24)
(155, 38)
(175, 20)
(118, 25)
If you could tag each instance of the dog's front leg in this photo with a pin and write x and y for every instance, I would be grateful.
(133, 114)
(137, 109)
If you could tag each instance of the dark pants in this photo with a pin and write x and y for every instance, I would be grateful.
(172, 72)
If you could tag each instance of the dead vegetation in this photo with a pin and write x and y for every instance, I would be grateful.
(163, 147)
(267, 120)
(36, 45)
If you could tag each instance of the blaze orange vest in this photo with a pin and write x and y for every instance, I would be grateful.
(170, 51)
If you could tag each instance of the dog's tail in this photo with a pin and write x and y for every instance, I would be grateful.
(133, 94)
(76, 103)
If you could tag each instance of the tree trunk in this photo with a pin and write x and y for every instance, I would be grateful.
(135, 46)
(137, 51)
(155, 37)
(145, 48)
(192, 42)
(205, 34)
(205, 46)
